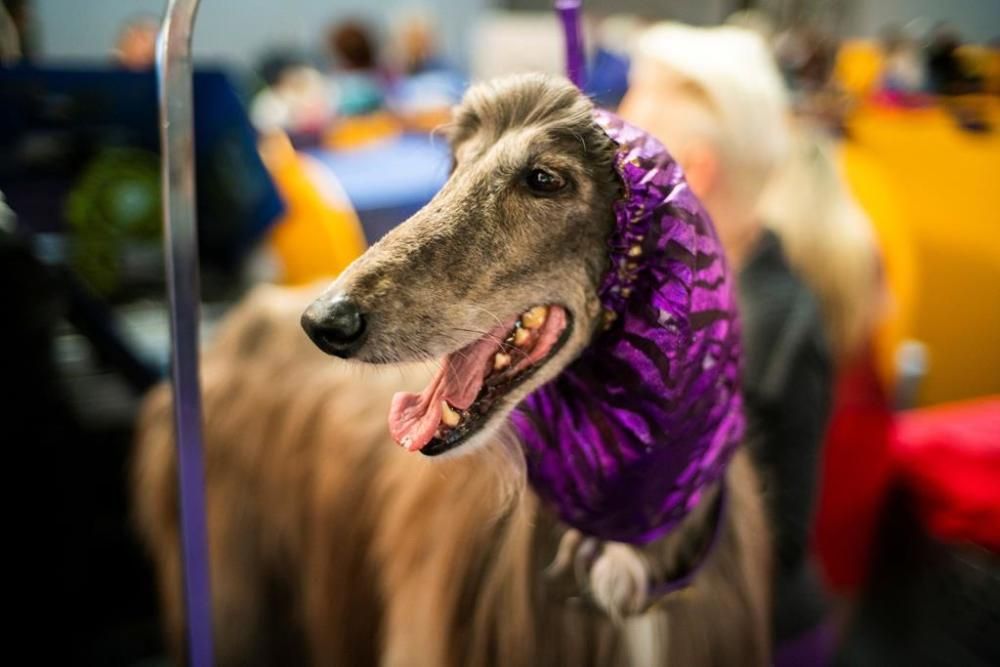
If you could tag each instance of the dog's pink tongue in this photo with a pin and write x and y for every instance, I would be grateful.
(413, 418)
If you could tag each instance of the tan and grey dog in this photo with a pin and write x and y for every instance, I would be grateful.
(332, 547)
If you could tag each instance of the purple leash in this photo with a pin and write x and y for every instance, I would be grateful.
(569, 14)
(719, 519)
(173, 66)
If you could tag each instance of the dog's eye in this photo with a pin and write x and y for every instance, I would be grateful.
(544, 182)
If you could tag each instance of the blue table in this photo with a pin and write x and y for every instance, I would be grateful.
(389, 181)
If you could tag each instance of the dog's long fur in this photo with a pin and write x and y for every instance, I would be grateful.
(330, 546)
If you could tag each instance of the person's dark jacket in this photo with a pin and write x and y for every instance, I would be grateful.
(787, 383)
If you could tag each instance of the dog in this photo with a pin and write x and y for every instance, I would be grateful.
(330, 546)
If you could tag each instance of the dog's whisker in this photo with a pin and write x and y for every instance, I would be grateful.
(488, 312)
(485, 334)
(475, 331)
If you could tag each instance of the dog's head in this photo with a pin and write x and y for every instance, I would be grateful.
(497, 276)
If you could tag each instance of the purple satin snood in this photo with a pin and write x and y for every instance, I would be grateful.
(625, 440)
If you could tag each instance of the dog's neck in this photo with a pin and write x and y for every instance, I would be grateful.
(624, 443)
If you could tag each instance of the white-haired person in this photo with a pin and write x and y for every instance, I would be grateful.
(715, 98)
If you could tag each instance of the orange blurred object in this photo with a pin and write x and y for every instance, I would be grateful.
(319, 234)
(356, 131)
(930, 189)
(136, 46)
(858, 67)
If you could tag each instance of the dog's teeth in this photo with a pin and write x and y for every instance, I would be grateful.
(406, 443)
(521, 336)
(535, 317)
(501, 360)
(448, 416)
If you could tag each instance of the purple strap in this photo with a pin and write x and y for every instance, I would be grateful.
(816, 647)
(173, 64)
(569, 14)
(719, 516)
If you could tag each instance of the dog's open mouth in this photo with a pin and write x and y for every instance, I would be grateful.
(471, 381)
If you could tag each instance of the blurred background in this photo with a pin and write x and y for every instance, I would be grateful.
(315, 136)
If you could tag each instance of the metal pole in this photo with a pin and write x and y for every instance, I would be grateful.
(569, 14)
(174, 71)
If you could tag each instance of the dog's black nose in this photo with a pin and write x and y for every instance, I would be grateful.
(337, 327)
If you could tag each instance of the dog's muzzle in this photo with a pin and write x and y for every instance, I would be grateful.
(337, 326)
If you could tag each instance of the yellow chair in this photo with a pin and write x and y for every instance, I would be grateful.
(319, 234)
(931, 191)
(983, 61)
(871, 187)
(858, 67)
(357, 131)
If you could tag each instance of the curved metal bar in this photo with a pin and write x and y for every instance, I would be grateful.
(174, 71)
(569, 14)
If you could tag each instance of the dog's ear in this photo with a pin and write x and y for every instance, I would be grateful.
(447, 132)
(453, 134)
(464, 124)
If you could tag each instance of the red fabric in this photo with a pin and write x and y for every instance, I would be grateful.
(949, 457)
(855, 475)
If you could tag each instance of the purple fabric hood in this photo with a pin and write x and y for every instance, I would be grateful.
(623, 443)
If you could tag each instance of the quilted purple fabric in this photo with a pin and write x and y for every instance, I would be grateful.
(623, 442)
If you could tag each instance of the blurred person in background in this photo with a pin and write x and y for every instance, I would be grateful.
(947, 73)
(296, 99)
(10, 40)
(17, 31)
(425, 84)
(355, 75)
(902, 81)
(806, 55)
(716, 99)
(757, 21)
(415, 45)
(954, 79)
(830, 242)
(135, 48)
